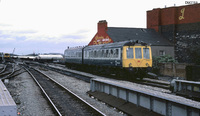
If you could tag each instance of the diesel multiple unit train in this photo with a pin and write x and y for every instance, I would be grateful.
(120, 58)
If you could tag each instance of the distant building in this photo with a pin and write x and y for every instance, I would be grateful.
(160, 45)
(181, 26)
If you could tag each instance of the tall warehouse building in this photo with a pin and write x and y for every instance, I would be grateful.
(181, 26)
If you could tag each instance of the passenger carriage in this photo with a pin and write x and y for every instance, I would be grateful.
(127, 57)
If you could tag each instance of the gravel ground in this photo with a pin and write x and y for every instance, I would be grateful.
(30, 102)
(27, 96)
(147, 89)
(80, 88)
(121, 81)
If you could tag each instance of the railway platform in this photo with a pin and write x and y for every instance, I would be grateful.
(7, 104)
(156, 101)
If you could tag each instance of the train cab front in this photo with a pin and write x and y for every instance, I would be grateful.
(137, 59)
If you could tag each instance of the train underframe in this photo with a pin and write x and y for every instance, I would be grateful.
(130, 74)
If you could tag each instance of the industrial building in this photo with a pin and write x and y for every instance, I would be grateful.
(105, 34)
(181, 26)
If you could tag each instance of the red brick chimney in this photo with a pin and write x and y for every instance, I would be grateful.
(102, 26)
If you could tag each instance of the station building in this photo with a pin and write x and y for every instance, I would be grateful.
(181, 26)
(160, 46)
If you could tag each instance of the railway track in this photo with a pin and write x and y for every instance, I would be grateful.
(156, 83)
(71, 73)
(63, 101)
(86, 78)
(7, 71)
(3, 69)
(11, 71)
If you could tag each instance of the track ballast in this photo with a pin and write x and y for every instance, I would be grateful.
(65, 102)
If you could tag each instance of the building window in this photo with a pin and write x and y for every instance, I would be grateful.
(161, 52)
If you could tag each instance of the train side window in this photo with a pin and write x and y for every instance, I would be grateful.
(114, 53)
(99, 53)
(102, 51)
(96, 56)
(79, 55)
(107, 53)
(146, 53)
(71, 54)
(129, 53)
(91, 53)
(117, 53)
(67, 54)
(138, 53)
(86, 53)
(95, 53)
(111, 53)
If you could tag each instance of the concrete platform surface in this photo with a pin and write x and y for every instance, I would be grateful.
(7, 104)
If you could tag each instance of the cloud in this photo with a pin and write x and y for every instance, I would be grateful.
(25, 32)
(82, 31)
(72, 36)
(28, 41)
(7, 40)
(4, 25)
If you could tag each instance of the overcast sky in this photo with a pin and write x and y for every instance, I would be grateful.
(49, 26)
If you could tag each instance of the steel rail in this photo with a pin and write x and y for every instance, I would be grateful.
(87, 78)
(9, 73)
(4, 68)
(51, 102)
(74, 94)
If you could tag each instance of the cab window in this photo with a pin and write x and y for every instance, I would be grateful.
(129, 53)
(146, 53)
(138, 53)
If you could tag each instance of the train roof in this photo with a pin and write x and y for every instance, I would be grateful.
(30, 57)
(49, 56)
(74, 49)
(116, 45)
